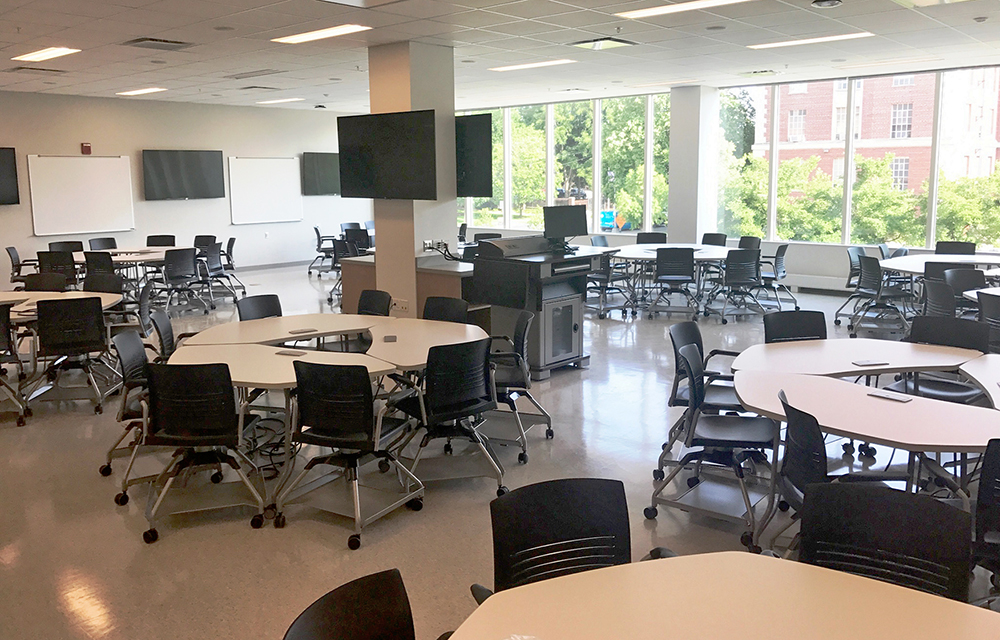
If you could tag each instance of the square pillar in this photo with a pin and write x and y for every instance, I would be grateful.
(694, 162)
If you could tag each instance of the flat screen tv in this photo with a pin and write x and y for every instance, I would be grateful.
(320, 174)
(565, 221)
(8, 177)
(474, 155)
(388, 156)
(182, 175)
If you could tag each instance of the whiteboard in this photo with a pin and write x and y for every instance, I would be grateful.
(265, 190)
(80, 194)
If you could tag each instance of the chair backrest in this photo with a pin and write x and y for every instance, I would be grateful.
(446, 309)
(257, 307)
(70, 327)
(962, 280)
(15, 260)
(131, 358)
(104, 283)
(180, 265)
(899, 252)
(462, 230)
(558, 528)
(714, 239)
(694, 371)
(213, 259)
(344, 226)
(370, 225)
(520, 338)
(458, 379)
(161, 241)
(675, 262)
(955, 248)
(66, 245)
(988, 498)
(352, 249)
(884, 251)
(682, 334)
(202, 242)
(340, 250)
(229, 249)
(749, 242)
(804, 459)
(989, 313)
(335, 402)
(779, 262)
(790, 326)
(45, 282)
(373, 302)
(939, 299)
(6, 332)
(950, 332)
(650, 237)
(854, 255)
(598, 241)
(486, 236)
(164, 331)
(145, 306)
(870, 278)
(99, 262)
(742, 267)
(192, 403)
(374, 607)
(102, 244)
(358, 236)
(58, 262)
(902, 538)
(935, 270)
(319, 239)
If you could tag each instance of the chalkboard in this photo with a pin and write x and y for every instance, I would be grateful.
(265, 190)
(80, 194)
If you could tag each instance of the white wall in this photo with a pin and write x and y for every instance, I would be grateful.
(56, 125)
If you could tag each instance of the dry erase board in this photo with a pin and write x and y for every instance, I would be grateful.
(265, 190)
(80, 194)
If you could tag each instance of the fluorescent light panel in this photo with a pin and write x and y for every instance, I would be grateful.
(140, 92)
(795, 43)
(533, 65)
(332, 32)
(678, 7)
(601, 44)
(282, 100)
(665, 84)
(46, 54)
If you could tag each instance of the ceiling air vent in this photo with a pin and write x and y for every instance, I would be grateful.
(41, 71)
(158, 44)
(760, 73)
(253, 74)
(257, 87)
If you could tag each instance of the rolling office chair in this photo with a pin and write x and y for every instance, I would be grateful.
(168, 342)
(344, 226)
(772, 272)
(203, 242)
(161, 241)
(884, 251)
(99, 262)
(740, 277)
(60, 262)
(989, 312)
(749, 242)
(462, 230)
(132, 362)
(955, 248)
(341, 250)
(371, 302)
(44, 282)
(939, 300)
(607, 280)
(790, 326)
(854, 256)
(674, 273)
(358, 237)
(181, 275)
(227, 255)
(445, 309)
(714, 239)
(962, 280)
(651, 237)
(9, 356)
(986, 547)
(215, 272)
(17, 265)
(878, 299)
(325, 250)
(257, 307)
(598, 241)
(102, 244)
(68, 245)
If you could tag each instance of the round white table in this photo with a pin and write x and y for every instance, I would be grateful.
(647, 252)
(287, 329)
(915, 264)
(973, 294)
(409, 340)
(985, 372)
(24, 303)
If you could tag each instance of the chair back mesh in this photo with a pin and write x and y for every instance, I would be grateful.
(682, 334)
(989, 312)
(103, 283)
(742, 267)
(790, 326)
(131, 357)
(213, 259)
(165, 332)
(358, 236)
(180, 265)
(446, 309)
(161, 241)
(373, 302)
(102, 244)
(935, 270)
(336, 402)
(870, 279)
(955, 248)
(257, 307)
(70, 327)
(939, 299)
(67, 245)
(557, 528)
(714, 239)
(458, 376)
(192, 401)
(988, 498)
(950, 332)
(203, 242)
(60, 262)
(902, 538)
(854, 255)
(779, 262)
(964, 279)
(99, 262)
(598, 241)
(804, 459)
(694, 371)
(749, 242)
(650, 237)
(45, 282)
(675, 263)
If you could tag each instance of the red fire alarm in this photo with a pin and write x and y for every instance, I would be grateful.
(85, 148)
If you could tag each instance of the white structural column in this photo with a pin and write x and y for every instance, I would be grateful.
(410, 76)
(596, 143)
(850, 172)
(774, 130)
(647, 177)
(694, 161)
(550, 154)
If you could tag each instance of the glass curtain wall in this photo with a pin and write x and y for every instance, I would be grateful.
(661, 161)
(527, 170)
(622, 163)
(488, 212)
(743, 162)
(574, 154)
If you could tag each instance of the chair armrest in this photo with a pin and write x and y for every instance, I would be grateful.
(867, 476)
(182, 337)
(480, 593)
(659, 552)
(719, 352)
(502, 339)
(725, 377)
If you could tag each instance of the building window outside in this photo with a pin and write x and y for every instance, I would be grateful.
(574, 154)
(797, 125)
(527, 175)
(901, 125)
(902, 81)
(900, 173)
(841, 124)
(622, 160)
(840, 85)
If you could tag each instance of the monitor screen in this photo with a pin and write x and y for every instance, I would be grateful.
(182, 175)
(320, 174)
(388, 156)
(567, 221)
(474, 155)
(8, 177)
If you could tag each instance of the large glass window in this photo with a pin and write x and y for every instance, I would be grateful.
(488, 212)
(622, 152)
(661, 160)
(743, 165)
(574, 154)
(527, 169)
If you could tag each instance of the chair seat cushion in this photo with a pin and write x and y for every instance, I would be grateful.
(717, 396)
(938, 389)
(508, 377)
(133, 407)
(411, 407)
(390, 428)
(733, 432)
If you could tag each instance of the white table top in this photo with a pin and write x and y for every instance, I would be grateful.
(264, 367)
(279, 330)
(914, 264)
(24, 310)
(718, 596)
(973, 294)
(415, 337)
(702, 252)
(845, 409)
(131, 256)
(836, 357)
(985, 372)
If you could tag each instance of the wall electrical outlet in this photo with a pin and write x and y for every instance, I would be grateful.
(428, 245)
(403, 306)
(440, 245)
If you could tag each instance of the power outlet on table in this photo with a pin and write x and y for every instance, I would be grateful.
(403, 306)
(428, 245)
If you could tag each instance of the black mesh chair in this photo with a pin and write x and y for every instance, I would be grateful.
(71, 334)
(44, 282)
(789, 326)
(884, 251)
(720, 441)
(359, 237)
(955, 248)
(935, 270)
(749, 242)
(772, 272)
(513, 381)
(939, 299)
(989, 313)
(598, 241)
(257, 307)
(17, 265)
(986, 547)
(215, 273)
(674, 275)
(714, 239)
(333, 408)
(739, 278)
(102, 244)
(902, 538)
(203, 242)
(373, 302)
(456, 390)
(60, 262)
(486, 236)
(854, 256)
(98, 262)
(8, 357)
(462, 230)
(720, 395)
(605, 281)
(227, 255)
(344, 226)
(962, 280)
(650, 237)
(325, 250)
(446, 309)
(132, 362)
(161, 241)
(67, 245)
(181, 275)
(168, 342)
(879, 306)
(193, 409)
(341, 250)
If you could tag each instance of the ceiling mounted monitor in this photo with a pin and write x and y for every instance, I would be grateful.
(388, 156)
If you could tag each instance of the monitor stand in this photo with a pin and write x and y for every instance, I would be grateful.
(560, 246)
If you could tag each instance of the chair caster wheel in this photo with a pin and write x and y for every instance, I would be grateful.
(502, 491)
(279, 521)
(746, 539)
(448, 450)
(658, 474)
(310, 273)
(28, 412)
(150, 536)
(20, 421)
(522, 457)
(105, 470)
(849, 449)
(850, 326)
(634, 313)
(837, 322)
(257, 521)
(649, 317)
(624, 314)
(602, 316)
(270, 511)
(121, 499)
(383, 466)
(650, 513)
(854, 335)
(415, 504)
(783, 506)
(797, 308)
(693, 482)
(98, 410)
(354, 542)
(867, 450)
(549, 434)
(724, 321)
(206, 312)
(212, 307)
(216, 477)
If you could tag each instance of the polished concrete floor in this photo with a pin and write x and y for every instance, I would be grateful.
(73, 565)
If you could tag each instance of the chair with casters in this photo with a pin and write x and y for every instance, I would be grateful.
(66, 245)
(905, 539)
(449, 401)
(181, 275)
(230, 265)
(132, 362)
(739, 279)
(772, 272)
(714, 239)
(749, 242)
(333, 408)
(17, 265)
(344, 226)
(962, 280)
(899, 252)
(939, 299)
(60, 262)
(445, 309)
(608, 280)
(45, 282)
(879, 305)
(257, 307)
(99, 262)
(651, 237)
(719, 442)
(790, 326)
(489, 235)
(341, 250)
(989, 313)
(854, 256)
(102, 244)
(884, 251)
(161, 241)
(201, 243)
(10, 357)
(955, 248)
(513, 381)
(359, 237)
(935, 270)
(215, 272)
(986, 546)
(168, 342)
(598, 241)
(371, 302)
(462, 230)
(674, 274)
(192, 408)
(325, 250)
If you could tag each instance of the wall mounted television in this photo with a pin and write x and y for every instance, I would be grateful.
(388, 156)
(182, 175)
(474, 155)
(320, 174)
(8, 177)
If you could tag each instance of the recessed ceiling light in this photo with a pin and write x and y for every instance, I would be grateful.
(665, 84)
(839, 60)
(600, 44)
(281, 101)
(331, 32)
(468, 62)
(158, 62)
(533, 65)
(140, 92)
(795, 43)
(336, 79)
(45, 54)
(827, 4)
(223, 27)
(715, 27)
(696, 5)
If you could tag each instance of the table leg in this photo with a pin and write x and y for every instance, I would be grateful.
(286, 468)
